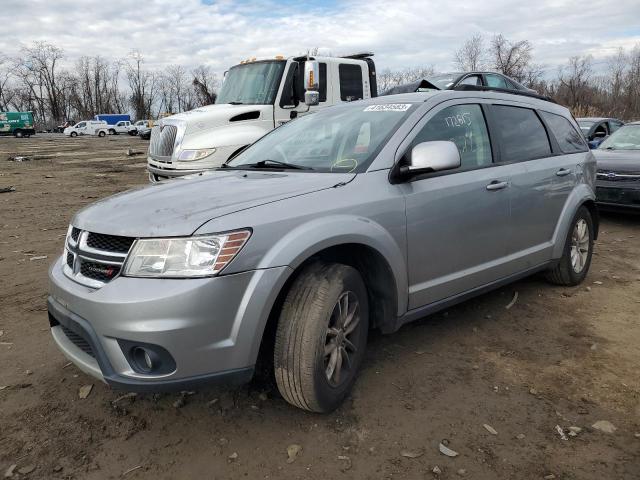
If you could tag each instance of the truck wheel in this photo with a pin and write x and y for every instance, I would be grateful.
(18, 134)
(112, 132)
(101, 133)
(73, 134)
(321, 336)
(576, 258)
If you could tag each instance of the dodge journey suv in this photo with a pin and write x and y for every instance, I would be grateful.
(365, 215)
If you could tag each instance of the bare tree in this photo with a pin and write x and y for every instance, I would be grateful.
(574, 80)
(471, 57)
(205, 83)
(391, 78)
(513, 59)
(143, 85)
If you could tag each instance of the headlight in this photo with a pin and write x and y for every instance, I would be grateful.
(192, 155)
(200, 256)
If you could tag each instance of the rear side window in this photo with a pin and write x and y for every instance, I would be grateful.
(521, 133)
(569, 140)
(463, 125)
(496, 81)
(350, 82)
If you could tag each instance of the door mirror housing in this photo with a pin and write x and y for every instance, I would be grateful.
(433, 156)
(311, 82)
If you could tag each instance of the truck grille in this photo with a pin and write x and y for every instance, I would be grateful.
(95, 259)
(162, 142)
(618, 177)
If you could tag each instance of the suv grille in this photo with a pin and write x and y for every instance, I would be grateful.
(618, 177)
(110, 243)
(95, 259)
(75, 233)
(78, 341)
(162, 142)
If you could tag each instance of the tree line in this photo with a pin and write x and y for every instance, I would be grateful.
(37, 80)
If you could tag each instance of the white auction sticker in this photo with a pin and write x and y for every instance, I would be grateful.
(388, 107)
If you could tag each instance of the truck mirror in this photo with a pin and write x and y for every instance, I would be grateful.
(311, 82)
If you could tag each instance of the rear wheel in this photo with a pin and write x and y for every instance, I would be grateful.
(112, 132)
(101, 133)
(18, 134)
(321, 336)
(576, 258)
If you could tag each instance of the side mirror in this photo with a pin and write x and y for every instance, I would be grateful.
(433, 157)
(311, 82)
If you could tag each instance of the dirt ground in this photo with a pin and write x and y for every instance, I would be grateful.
(558, 358)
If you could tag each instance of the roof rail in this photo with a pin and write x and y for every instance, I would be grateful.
(358, 56)
(482, 88)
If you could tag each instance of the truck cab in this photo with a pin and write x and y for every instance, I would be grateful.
(256, 97)
(123, 126)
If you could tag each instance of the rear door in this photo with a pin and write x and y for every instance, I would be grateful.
(458, 220)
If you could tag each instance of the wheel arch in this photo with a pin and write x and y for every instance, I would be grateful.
(581, 196)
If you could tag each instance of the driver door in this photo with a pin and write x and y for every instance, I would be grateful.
(457, 220)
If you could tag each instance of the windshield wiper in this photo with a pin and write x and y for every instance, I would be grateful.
(236, 103)
(268, 163)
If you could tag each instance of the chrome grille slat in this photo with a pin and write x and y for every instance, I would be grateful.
(95, 259)
(162, 142)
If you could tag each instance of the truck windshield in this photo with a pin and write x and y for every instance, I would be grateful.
(252, 83)
(340, 139)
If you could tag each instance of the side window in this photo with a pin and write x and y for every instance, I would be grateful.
(569, 140)
(465, 126)
(495, 81)
(521, 133)
(350, 82)
(82, 125)
(471, 80)
(300, 82)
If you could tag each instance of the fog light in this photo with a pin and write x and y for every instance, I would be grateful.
(145, 359)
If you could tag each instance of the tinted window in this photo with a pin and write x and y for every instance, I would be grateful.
(465, 126)
(569, 140)
(496, 81)
(350, 82)
(522, 135)
(471, 80)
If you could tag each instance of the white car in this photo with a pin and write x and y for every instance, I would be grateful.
(123, 126)
(88, 127)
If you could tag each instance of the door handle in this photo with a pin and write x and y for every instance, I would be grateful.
(562, 172)
(497, 185)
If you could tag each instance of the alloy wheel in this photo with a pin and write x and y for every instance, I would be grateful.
(340, 348)
(580, 245)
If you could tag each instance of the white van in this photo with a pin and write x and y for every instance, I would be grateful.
(88, 127)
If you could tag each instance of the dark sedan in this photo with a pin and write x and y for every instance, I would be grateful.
(618, 177)
(454, 80)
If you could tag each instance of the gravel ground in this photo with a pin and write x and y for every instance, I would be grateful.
(494, 384)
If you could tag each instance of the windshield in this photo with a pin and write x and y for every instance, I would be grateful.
(339, 139)
(585, 125)
(252, 83)
(625, 138)
(444, 81)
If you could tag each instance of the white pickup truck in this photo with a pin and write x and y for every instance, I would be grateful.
(123, 126)
(256, 97)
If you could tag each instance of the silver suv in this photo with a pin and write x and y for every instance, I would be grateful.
(365, 215)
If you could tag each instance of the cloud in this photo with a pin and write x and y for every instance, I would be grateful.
(401, 33)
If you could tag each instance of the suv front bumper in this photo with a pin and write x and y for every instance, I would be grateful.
(210, 327)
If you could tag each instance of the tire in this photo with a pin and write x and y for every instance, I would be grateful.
(18, 134)
(112, 132)
(73, 134)
(101, 133)
(574, 265)
(308, 328)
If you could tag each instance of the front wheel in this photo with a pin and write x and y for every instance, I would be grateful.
(18, 134)
(574, 265)
(321, 336)
(101, 134)
(73, 134)
(112, 132)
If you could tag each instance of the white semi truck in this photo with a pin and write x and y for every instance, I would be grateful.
(256, 97)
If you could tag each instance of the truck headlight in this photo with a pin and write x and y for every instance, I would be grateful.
(192, 155)
(198, 256)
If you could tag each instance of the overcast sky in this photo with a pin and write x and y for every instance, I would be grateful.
(400, 33)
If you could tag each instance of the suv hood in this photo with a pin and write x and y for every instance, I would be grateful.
(212, 116)
(180, 206)
(618, 160)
